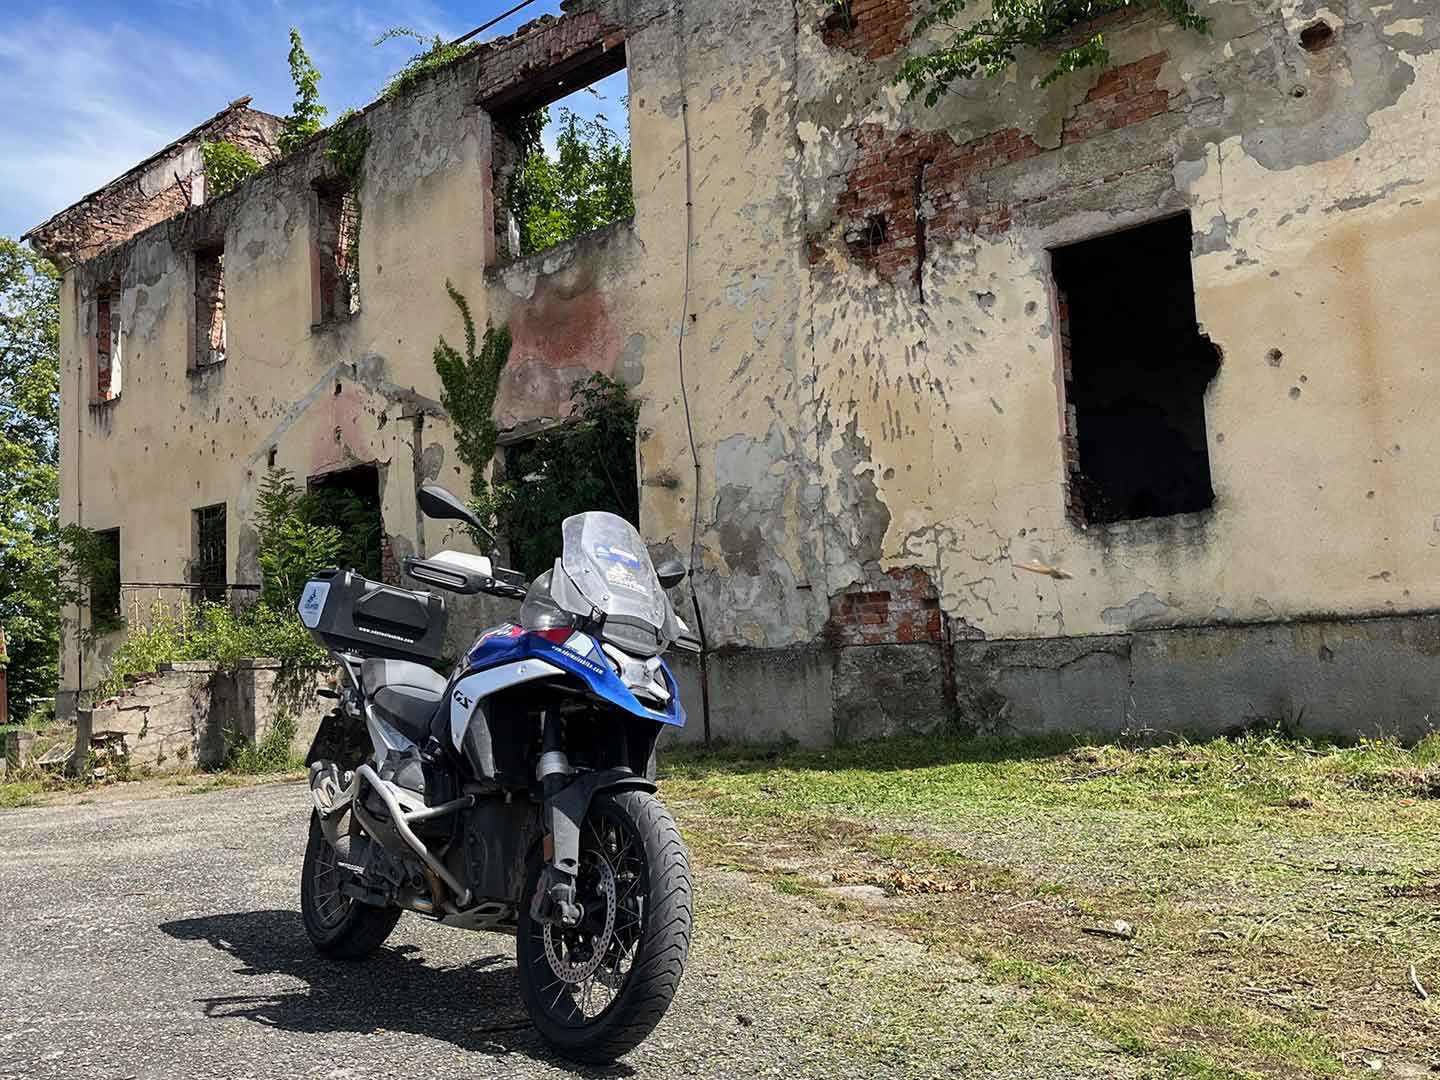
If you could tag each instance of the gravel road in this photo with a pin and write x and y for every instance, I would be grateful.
(160, 938)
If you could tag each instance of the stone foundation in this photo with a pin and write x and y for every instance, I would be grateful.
(179, 717)
(1343, 678)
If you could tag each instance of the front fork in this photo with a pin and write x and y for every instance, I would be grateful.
(555, 900)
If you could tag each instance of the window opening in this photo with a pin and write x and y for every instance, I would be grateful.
(210, 566)
(338, 239)
(209, 308)
(107, 381)
(105, 588)
(1136, 370)
(562, 156)
(349, 499)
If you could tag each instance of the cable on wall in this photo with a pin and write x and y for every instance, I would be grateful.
(680, 357)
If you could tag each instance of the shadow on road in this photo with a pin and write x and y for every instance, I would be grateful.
(475, 1006)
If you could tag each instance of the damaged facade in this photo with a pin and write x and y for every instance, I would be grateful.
(1100, 406)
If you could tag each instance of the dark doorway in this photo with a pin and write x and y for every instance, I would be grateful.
(1136, 370)
(349, 499)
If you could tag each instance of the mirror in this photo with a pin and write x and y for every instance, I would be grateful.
(436, 502)
(671, 572)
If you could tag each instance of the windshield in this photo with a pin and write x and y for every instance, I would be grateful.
(606, 568)
(606, 560)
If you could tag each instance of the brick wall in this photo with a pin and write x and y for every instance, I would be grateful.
(906, 186)
(124, 208)
(871, 28)
(899, 606)
(539, 46)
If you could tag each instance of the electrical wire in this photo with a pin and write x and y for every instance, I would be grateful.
(481, 29)
(684, 393)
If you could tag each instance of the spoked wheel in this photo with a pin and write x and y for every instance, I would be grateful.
(339, 925)
(596, 990)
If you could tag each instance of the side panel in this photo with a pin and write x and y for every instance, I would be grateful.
(466, 694)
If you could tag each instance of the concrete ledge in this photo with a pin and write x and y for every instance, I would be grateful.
(1344, 677)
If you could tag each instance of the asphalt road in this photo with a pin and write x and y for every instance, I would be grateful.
(162, 939)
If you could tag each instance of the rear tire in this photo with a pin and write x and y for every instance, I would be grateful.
(339, 926)
(648, 922)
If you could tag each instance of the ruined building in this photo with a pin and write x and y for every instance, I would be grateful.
(1098, 406)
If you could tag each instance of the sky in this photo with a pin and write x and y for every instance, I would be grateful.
(92, 87)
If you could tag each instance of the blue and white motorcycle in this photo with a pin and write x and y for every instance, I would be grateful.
(518, 795)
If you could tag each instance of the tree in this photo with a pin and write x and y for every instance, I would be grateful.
(584, 186)
(988, 45)
(29, 476)
(307, 112)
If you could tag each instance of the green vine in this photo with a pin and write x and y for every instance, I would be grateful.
(469, 384)
(436, 55)
(989, 46)
(226, 166)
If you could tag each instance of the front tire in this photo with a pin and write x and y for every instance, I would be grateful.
(595, 992)
(339, 926)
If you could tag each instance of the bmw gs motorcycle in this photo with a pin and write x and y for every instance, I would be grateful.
(519, 794)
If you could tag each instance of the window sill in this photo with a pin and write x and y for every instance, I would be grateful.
(200, 370)
(98, 404)
(333, 324)
(1150, 529)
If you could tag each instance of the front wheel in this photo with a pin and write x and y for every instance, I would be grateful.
(595, 991)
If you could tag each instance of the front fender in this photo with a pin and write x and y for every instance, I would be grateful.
(566, 809)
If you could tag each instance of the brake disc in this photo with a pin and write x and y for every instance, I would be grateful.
(577, 972)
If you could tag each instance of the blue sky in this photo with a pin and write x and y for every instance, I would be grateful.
(92, 87)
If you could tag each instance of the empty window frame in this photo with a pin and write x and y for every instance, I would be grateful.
(105, 580)
(575, 113)
(209, 308)
(210, 565)
(337, 254)
(350, 500)
(105, 365)
(1136, 368)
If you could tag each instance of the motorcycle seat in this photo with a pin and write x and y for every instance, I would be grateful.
(406, 695)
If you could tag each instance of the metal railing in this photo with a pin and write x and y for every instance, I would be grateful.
(143, 603)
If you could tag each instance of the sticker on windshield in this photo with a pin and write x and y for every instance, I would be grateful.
(621, 576)
(609, 553)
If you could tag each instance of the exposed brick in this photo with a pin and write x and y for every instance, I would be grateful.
(871, 28)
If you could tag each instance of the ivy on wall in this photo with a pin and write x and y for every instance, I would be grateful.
(436, 54)
(469, 384)
(989, 45)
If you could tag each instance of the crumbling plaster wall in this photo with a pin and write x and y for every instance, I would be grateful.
(318, 397)
(848, 425)
(1307, 177)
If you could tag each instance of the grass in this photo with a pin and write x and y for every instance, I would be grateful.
(1278, 890)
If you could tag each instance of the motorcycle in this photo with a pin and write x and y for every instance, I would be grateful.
(518, 795)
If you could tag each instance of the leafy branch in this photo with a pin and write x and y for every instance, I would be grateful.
(989, 46)
(435, 55)
(307, 113)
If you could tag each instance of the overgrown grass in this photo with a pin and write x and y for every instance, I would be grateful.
(209, 631)
(1278, 889)
(271, 754)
